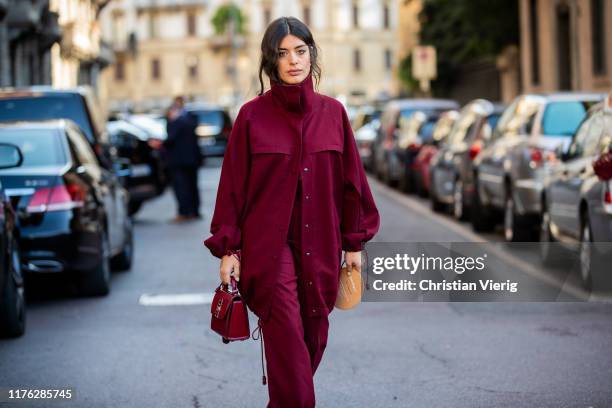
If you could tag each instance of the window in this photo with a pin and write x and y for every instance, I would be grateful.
(191, 24)
(152, 25)
(598, 39)
(386, 17)
(40, 147)
(119, 71)
(563, 118)
(356, 60)
(306, 14)
(155, 68)
(355, 15)
(192, 67)
(535, 49)
(46, 107)
(388, 59)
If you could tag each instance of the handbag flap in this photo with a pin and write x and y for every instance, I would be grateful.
(221, 303)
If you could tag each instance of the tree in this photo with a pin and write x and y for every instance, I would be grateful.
(467, 31)
(224, 15)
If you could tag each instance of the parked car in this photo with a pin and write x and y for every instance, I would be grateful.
(365, 127)
(577, 204)
(415, 132)
(147, 176)
(510, 171)
(77, 104)
(214, 128)
(153, 124)
(452, 171)
(73, 212)
(390, 160)
(12, 291)
(422, 162)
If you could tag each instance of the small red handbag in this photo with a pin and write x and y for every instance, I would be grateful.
(603, 166)
(229, 313)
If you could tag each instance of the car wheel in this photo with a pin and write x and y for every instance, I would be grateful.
(513, 229)
(458, 202)
(550, 252)
(586, 255)
(481, 218)
(96, 281)
(387, 175)
(134, 207)
(436, 205)
(406, 183)
(419, 185)
(123, 260)
(12, 306)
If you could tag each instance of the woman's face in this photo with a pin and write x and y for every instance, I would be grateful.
(293, 60)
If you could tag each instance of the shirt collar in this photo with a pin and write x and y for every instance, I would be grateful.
(296, 98)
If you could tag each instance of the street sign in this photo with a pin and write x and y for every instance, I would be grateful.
(424, 62)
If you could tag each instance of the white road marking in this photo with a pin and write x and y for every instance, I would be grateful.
(180, 299)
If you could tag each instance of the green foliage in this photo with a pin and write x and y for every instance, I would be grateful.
(224, 15)
(466, 31)
(409, 84)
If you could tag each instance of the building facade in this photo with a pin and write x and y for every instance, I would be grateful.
(164, 48)
(566, 45)
(50, 42)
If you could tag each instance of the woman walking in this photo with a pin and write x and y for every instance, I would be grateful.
(292, 196)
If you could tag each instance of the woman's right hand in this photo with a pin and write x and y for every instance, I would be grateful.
(229, 263)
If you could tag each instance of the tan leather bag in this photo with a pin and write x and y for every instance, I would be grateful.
(350, 288)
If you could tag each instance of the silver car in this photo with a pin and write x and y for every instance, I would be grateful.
(509, 173)
(451, 169)
(576, 204)
(389, 162)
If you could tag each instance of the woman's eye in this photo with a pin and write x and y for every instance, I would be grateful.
(282, 53)
(302, 51)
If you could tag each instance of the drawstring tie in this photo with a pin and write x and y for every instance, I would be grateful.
(260, 338)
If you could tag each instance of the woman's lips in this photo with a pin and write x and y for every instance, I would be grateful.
(295, 72)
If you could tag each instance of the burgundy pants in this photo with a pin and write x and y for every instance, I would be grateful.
(294, 343)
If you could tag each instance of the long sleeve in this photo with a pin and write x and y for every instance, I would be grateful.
(360, 217)
(226, 222)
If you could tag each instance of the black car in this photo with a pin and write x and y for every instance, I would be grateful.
(12, 299)
(147, 176)
(214, 128)
(73, 213)
(44, 103)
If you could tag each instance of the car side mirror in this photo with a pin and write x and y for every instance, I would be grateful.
(10, 156)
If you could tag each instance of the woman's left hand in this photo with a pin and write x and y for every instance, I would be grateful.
(353, 258)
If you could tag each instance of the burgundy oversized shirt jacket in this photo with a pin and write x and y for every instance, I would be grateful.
(292, 134)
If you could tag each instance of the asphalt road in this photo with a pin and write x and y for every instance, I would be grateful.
(116, 352)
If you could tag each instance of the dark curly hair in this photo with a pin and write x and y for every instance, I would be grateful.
(276, 31)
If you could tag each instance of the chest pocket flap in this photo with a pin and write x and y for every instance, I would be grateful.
(321, 147)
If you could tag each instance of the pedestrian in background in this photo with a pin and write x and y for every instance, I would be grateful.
(184, 158)
(292, 195)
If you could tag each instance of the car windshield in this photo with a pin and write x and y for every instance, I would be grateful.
(44, 108)
(39, 147)
(210, 117)
(563, 118)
